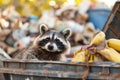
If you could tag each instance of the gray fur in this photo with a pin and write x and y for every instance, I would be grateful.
(36, 51)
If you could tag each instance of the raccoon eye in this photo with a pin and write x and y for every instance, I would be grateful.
(58, 41)
(59, 44)
(44, 41)
(41, 43)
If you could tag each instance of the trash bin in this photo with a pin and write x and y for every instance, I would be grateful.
(53, 70)
(98, 17)
(112, 25)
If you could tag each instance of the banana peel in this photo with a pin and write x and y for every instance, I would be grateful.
(110, 54)
(99, 50)
(83, 55)
(97, 43)
(98, 38)
(114, 43)
(79, 56)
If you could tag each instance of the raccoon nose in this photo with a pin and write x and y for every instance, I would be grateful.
(50, 47)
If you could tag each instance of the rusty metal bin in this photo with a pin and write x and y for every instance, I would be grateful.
(53, 70)
(112, 25)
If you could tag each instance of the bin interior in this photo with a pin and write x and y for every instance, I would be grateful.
(112, 26)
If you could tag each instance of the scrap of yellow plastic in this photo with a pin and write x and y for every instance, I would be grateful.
(79, 56)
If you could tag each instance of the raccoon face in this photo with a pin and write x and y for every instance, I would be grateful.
(52, 40)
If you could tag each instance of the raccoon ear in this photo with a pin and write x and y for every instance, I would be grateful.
(43, 28)
(67, 33)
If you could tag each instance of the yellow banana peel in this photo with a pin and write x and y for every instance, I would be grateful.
(100, 37)
(98, 58)
(110, 54)
(79, 56)
(114, 43)
(91, 58)
(107, 51)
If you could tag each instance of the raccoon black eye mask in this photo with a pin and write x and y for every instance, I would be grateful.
(44, 41)
(58, 43)
(49, 45)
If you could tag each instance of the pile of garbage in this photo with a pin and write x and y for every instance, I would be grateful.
(17, 32)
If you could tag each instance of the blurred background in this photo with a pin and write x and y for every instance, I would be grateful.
(19, 20)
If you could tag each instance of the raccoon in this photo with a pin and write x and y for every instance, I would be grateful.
(49, 45)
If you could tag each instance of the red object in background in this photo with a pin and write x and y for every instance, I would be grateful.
(92, 5)
(70, 56)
